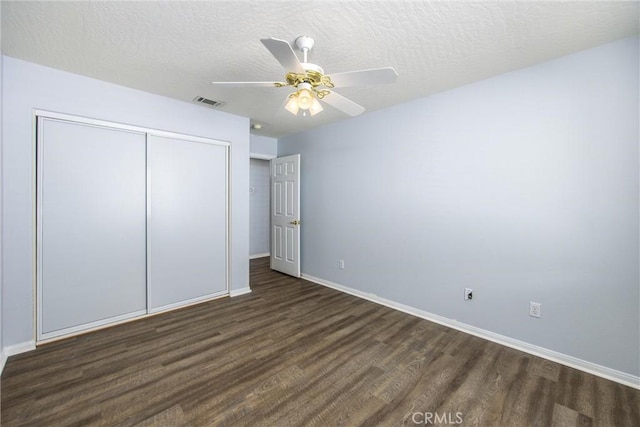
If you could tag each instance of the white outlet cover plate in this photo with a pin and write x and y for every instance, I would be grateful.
(535, 309)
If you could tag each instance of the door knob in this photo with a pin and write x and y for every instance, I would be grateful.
(296, 222)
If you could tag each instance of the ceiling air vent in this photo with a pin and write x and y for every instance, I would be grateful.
(210, 102)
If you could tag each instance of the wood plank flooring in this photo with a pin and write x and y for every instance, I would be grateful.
(293, 353)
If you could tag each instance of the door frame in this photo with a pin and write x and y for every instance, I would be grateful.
(267, 157)
(259, 156)
(37, 216)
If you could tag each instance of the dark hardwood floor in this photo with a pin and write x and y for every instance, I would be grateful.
(293, 353)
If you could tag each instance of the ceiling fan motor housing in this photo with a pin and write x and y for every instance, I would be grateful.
(305, 43)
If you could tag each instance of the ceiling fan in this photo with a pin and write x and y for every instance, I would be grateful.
(310, 82)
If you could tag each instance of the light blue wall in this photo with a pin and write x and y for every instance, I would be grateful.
(264, 145)
(29, 86)
(523, 187)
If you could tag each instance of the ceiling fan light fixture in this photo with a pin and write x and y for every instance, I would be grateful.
(315, 107)
(305, 96)
(305, 99)
(292, 104)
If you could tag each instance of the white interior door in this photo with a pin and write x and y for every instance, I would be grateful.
(91, 226)
(285, 214)
(187, 221)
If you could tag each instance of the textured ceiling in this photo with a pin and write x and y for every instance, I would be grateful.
(177, 48)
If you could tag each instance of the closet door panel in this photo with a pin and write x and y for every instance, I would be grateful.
(187, 223)
(92, 213)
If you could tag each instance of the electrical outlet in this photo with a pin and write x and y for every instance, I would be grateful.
(468, 293)
(341, 264)
(535, 309)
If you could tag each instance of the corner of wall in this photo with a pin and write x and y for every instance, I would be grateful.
(241, 291)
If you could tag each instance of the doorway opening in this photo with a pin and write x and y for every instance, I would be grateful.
(259, 209)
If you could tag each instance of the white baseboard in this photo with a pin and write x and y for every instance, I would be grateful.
(238, 292)
(262, 255)
(564, 359)
(15, 349)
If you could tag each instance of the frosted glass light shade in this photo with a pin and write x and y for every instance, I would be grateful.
(315, 107)
(305, 99)
(292, 105)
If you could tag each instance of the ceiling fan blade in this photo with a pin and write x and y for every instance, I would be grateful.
(284, 54)
(343, 104)
(374, 76)
(247, 84)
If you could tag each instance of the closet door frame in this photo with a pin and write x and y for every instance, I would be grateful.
(37, 217)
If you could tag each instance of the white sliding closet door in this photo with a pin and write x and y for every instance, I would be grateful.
(91, 226)
(187, 222)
